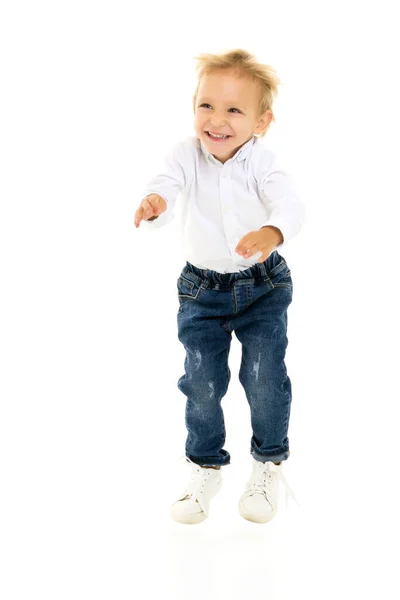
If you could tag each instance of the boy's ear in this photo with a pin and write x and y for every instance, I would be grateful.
(194, 103)
(263, 122)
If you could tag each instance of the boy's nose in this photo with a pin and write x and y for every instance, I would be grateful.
(217, 119)
(216, 124)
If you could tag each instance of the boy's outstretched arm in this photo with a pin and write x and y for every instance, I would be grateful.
(286, 212)
(163, 190)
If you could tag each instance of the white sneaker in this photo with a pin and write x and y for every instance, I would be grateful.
(259, 502)
(194, 503)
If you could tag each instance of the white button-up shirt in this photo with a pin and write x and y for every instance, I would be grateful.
(224, 201)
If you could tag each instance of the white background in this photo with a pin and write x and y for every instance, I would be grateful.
(92, 421)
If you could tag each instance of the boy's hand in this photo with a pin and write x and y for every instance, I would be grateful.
(151, 206)
(264, 240)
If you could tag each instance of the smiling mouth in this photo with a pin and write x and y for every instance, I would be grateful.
(217, 138)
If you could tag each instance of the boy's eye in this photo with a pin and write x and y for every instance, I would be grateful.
(205, 104)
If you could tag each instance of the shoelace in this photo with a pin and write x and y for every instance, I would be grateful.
(195, 484)
(258, 479)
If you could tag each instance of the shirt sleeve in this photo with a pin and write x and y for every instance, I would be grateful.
(167, 183)
(285, 209)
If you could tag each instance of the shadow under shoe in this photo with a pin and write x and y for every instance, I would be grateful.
(194, 504)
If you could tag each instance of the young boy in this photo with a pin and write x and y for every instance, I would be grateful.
(239, 208)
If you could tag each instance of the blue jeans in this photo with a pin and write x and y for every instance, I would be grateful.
(254, 304)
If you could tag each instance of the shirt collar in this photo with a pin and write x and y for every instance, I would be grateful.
(240, 155)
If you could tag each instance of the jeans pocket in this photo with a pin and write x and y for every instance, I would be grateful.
(280, 275)
(283, 281)
(187, 287)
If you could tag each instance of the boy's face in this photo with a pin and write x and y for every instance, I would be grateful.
(228, 104)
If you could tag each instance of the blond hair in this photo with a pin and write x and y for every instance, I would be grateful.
(243, 64)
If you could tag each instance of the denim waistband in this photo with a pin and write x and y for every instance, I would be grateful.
(273, 264)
